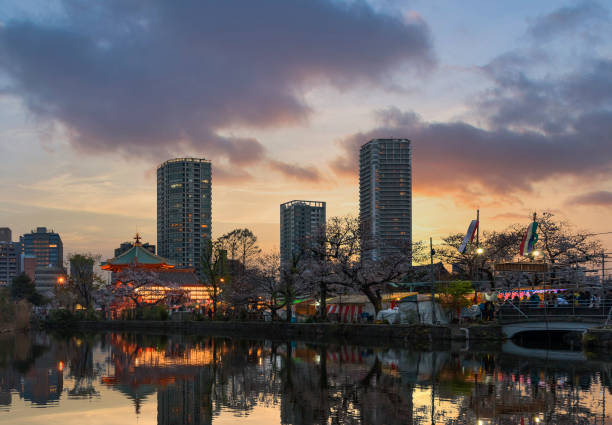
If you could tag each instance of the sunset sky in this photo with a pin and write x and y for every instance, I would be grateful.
(508, 106)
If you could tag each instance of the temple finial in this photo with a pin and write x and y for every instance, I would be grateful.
(137, 239)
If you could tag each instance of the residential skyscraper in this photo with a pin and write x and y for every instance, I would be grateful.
(45, 245)
(299, 222)
(385, 197)
(184, 206)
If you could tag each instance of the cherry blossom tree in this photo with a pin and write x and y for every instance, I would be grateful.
(339, 261)
(143, 286)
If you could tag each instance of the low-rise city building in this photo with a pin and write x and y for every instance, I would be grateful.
(45, 245)
(47, 278)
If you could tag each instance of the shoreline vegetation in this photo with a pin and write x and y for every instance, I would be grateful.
(14, 316)
(16, 303)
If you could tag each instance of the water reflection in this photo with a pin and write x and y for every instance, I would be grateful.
(172, 380)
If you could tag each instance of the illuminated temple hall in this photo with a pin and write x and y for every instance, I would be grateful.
(168, 277)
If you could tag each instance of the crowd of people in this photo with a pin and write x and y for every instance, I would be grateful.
(487, 305)
(557, 299)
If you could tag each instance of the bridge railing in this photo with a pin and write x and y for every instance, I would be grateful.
(584, 310)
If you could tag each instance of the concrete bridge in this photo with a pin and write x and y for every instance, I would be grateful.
(544, 354)
(511, 329)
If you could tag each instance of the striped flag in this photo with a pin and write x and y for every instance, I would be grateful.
(530, 239)
(469, 236)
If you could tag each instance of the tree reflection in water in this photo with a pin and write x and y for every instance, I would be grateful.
(197, 379)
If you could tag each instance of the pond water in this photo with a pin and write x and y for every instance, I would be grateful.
(128, 378)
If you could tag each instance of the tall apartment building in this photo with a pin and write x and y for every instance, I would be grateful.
(45, 245)
(299, 222)
(385, 197)
(184, 207)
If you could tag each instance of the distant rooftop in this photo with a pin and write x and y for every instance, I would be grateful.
(402, 139)
(137, 255)
(42, 230)
(300, 202)
(170, 161)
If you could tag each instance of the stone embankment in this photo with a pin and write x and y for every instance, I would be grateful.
(355, 333)
(599, 338)
(7, 328)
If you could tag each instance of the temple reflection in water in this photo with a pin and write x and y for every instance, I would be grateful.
(203, 380)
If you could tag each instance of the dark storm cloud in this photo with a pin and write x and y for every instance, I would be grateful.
(456, 157)
(157, 78)
(534, 126)
(552, 104)
(568, 20)
(600, 198)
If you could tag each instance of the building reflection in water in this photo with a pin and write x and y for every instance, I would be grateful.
(197, 380)
(30, 369)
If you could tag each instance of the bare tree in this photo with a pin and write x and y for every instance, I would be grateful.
(340, 261)
(247, 245)
(293, 283)
(266, 284)
(558, 242)
(337, 242)
(83, 282)
(241, 291)
(230, 243)
(495, 247)
(213, 262)
(419, 252)
(241, 247)
(561, 244)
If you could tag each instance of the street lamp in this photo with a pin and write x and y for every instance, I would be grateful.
(479, 251)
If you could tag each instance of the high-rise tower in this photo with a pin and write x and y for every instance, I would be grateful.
(184, 210)
(300, 221)
(385, 197)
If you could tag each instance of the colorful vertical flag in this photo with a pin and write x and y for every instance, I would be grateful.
(469, 236)
(529, 239)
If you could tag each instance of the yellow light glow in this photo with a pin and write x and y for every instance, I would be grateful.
(536, 253)
(479, 251)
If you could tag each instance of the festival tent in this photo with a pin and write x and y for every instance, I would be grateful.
(304, 307)
(418, 308)
(349, 308)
